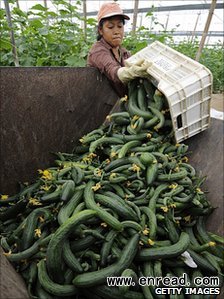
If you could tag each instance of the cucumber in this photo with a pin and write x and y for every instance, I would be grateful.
(52, 287)
(54, 250)
(149, 88)
(139, 136)
(151, 122)
(147, 158)
(160, 116)
(14, 210)
(77, 174)
(101, 213)
(156, 194)
(28, 236)
(70, 258)
(141, 98)
(102, 140)
(99, 277)
(106, 247)
(172, 229)
(202, 262)
(66, 210)
(51, 197)
(122, 161)
(132, 224)
(121, 208)
(166, 251)
(172, 176)
(67, 190)
(126, 147)
(32, 250)
(84, 243)
(40, 292)
(127, 273)
(152, 221)
(151, 173)
(133, 109)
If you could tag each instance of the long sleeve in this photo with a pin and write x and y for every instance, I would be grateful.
(101, 57)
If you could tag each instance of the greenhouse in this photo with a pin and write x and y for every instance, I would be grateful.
(111, 125)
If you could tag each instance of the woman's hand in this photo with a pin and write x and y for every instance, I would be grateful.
(134, 70)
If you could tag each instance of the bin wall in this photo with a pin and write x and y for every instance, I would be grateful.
(46, 110)
(206, 154)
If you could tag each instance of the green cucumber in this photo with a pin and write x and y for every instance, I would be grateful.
(160, 116)
(52, 287)
(101, 213)
(126, 147)
(166, 251)
(67, 190)
(172, 176)
(151, 173)
(32, 250)
(99, 277)
(28, 236)
(152, 221)
(118, 205)
(106, 247)
(107, 140)
(133, 109)
(54, 250)
(66, 210)
(70, 259)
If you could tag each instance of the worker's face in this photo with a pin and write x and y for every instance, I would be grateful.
(113, 31)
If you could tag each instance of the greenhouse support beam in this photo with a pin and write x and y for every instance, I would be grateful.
(168, 8)
(17, 4)
(85, 17)
(12, 38)
(202, 42)
(188, 33)
(135, 16)
(195, 26)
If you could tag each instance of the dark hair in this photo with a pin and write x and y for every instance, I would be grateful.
(100, 25)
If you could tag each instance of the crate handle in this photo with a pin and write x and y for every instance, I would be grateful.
(179, 121)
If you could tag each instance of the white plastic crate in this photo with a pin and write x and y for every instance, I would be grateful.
(185, 83)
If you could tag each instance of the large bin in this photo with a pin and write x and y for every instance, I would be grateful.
(45, 110)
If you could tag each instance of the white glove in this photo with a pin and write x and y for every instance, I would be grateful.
(132, 71)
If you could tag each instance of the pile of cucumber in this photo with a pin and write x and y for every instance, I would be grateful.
(125, 202)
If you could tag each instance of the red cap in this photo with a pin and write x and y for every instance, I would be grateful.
(109, 10)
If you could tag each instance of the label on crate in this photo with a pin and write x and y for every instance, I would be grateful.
(164, 64)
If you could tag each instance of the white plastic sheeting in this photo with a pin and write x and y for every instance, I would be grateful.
(191, 22)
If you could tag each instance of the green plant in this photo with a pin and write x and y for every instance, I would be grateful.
(47, 38)
(54, 37)
(134, 42)
(211, 57)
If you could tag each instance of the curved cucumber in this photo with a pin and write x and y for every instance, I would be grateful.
(102, 140)
(101, 213)
(54, 250)
(52, 287)
(165, 252)
(100, 276)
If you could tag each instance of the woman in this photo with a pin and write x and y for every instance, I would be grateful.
(108, 55)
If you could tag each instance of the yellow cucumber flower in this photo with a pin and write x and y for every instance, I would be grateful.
(4, 196)
(96, 187)
(34, 201)
(164, 208)
(37, 232)
(151, 242)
